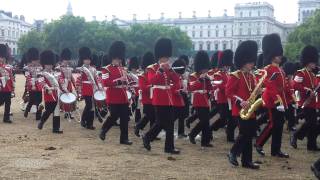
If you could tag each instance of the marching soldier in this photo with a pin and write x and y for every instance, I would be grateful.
(66, 80)
(160, 77)
(86, 85)
(32, 83)
(144, 95)
(115, 78)
(133, 67)
(273, 97)
(51, 91)
(306, 83)
(7, 83)
(200, 86)
(179, 91)
(239, 89)
(220, 80)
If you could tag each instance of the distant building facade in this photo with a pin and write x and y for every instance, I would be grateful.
(307, 9)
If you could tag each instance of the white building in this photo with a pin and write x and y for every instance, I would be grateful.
(11, 29)
(251, 22)
(307, 9)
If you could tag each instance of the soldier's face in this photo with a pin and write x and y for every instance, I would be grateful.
(248, 66)
(2, 60)
(65, 63)
(49, 67)
(277, 59)
(87, 61)
(116, 62)
(312, 66)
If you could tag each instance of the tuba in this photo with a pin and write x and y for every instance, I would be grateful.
(254, 103)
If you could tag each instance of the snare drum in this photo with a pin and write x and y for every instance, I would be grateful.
(100, 99)
(68, 102)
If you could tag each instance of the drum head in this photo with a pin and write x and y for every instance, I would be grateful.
(68, 98)
(99, 96)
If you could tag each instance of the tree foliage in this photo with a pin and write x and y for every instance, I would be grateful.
(306, 34)
(74, 32)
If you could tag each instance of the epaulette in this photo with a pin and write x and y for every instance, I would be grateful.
(236, 74)
(194, 74)
(152, 66)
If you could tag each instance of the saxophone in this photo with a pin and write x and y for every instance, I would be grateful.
(4, 77)
(254, 103)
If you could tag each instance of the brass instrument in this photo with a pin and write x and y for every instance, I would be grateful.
(4, 77)
(254, 103)
(310, 98)
(53, 82)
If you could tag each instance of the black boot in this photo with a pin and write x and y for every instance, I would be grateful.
(192, 139)
(56, 125)
(293, 141)
(260, 150)
(146, 143)
(250, 165)
(233, 159)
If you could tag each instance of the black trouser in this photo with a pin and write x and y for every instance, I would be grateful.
(212, 113)
(274, 128)
(118, 111)
(290, 116)
(164, 120)
(149, 116)
(49, 109)
(309, 128)
(179, 113)
(203, 125)
(225, 119)
(135, 110)
(35, 98)
(243, 143)
(5, 98)
(88, 113)
(317, 164)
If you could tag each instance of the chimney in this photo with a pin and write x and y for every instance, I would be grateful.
(225, 13)
(162, 15)
(134, 17)
(180, 15)
(22, 18)
(194, 14)
(94, 18)
(106, 18)
(113, 17)
(209, 14)
(149, 16)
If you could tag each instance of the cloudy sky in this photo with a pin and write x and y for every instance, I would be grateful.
(285, 11)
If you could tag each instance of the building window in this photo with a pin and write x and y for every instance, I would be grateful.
(9, 33)
(249, 32)
(208, 46)
(258, 13)
(14, 51)
(216, 46)
(241, 24)
(209, 34)
(224, 33)
(241, 14)
(201, 34)
(193, 34)
(240, 31)
(224, 46)
(2, 32)
(217, 27)
(259, 44)
(250, 14)
(217, 33)
(239, 42)
(258, 31)
(193, 46)
(200, 46)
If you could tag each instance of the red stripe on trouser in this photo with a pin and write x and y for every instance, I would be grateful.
(266, 133)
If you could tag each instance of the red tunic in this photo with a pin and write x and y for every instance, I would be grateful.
(305, 81)
(32, 83)
(144, 86)
(65, 79)
(239, 88)
(275, 89)
(84, 85)
(199, 91)
(6, 78)
(177, 98)
(161, 94)
(50, 93)
(116, 93)
(220, 80)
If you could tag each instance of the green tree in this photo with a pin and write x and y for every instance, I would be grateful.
(32, 39)
(306, 34)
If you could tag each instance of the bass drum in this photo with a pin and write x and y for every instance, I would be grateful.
(68, 102)
(100, 99)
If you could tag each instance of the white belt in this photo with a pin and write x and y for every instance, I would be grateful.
(120, 87)
(87, 82)
(199, 92)
(158, 87)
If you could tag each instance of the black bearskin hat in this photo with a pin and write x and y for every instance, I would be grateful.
(215, 59)
(163, 48)
(95, 60)
(147, 60)
(272, 47)
(201, 61)
(180, 64)
(47, 57)
(133, 63)
(117, 50)
(246, 53)
(106, 60)
(289, 68)
(309, 54)
(32, 54)
(3, 51)
(185, 58)
(226, 58)
(259, 63)
(66, 54)
(84, 53)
